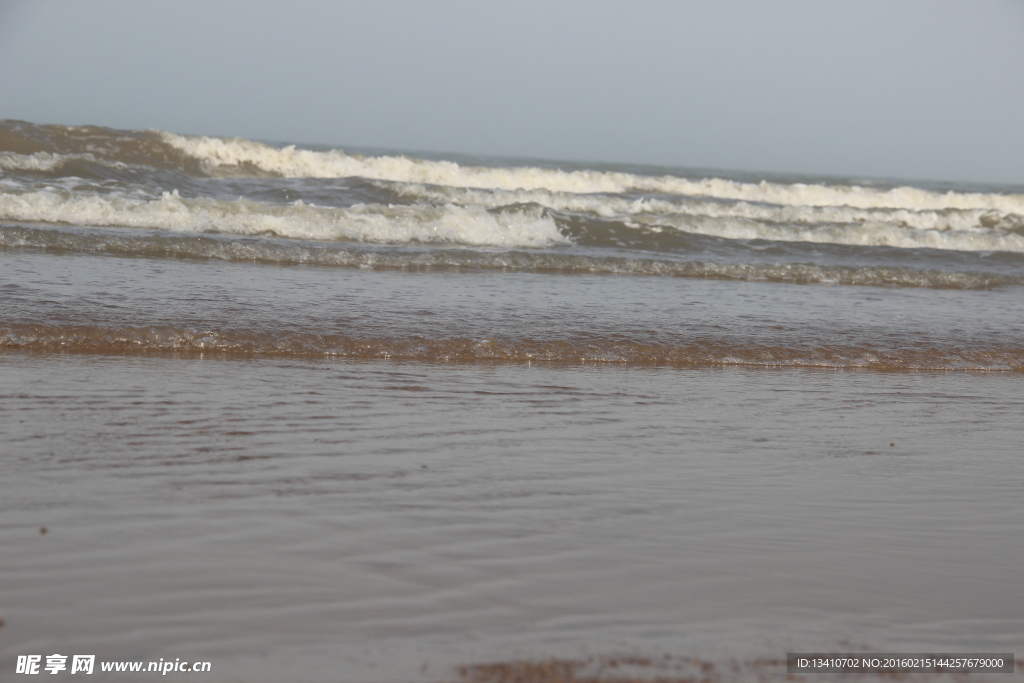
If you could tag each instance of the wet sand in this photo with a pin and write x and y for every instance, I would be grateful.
(376, 521)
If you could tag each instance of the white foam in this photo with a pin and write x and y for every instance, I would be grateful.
(451, 223)
(367, 223)
(623, 208)
(872, 234)
(220, 155)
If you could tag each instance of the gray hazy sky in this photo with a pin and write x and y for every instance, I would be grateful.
(929, 89)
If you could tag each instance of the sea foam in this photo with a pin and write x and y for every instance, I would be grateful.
(363, 222)
(219, 155)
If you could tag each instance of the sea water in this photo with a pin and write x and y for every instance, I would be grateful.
(316, 415)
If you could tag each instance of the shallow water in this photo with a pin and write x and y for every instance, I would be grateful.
(371, 518)
(80, 302)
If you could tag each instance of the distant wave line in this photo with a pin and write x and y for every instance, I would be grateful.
(240, 157)
(219, 154)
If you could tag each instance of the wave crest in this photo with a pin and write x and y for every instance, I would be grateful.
(219, 155)
(362, 222)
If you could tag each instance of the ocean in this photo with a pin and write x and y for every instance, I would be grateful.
(320, 415)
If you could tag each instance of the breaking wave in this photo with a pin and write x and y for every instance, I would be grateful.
(218, 155)
(239, 157)
(236, 186)
(652, 209)
(475, 224)
(364, 223)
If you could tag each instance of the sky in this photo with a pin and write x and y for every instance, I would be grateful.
(925, 89)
